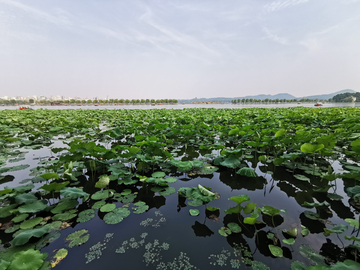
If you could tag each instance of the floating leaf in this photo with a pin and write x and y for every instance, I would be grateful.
(78, 238)
(27, 260)
(240, 199)
(101, 194)
(256, 265)
(170, 179)
(312, 215)
(33, 207)
(116, 215)
(289, 241)
(212, 209)
(194, 212)
(140, 207)
(24, 236)
(14, 168)
(167, 191)
(247, 172)
(336, 229)
(103, 182)
(25, 198)
(353, 223)
(59, 256)
(292, 232)
(48, 176)
(158, 174)
(276, 251)
(98, 204)
(234, 227)
(269, 210)
(73, 193)
(5, 210)
(30, 223)
(64, 205)
(65, 216)
(224, 231)
(86, 215)
(308, 252)
(108, 207)
(304, 231)
(127, 181)
(20, 218)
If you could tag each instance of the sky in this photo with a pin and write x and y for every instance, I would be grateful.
(178, 49)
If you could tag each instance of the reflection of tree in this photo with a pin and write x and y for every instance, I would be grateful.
(236, 181)
(201, 230)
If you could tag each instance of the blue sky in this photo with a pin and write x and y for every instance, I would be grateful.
(179, 48)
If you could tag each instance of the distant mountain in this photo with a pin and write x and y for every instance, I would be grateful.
(277, 96)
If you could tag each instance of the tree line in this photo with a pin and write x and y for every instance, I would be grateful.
(277, 100)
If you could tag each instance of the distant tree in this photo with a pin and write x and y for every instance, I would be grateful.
(147, 101)
(152, 100)
(121, 100)
(127, 101)
(142, 101)
(31, 101)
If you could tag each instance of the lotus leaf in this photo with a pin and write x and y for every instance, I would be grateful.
(30, 223)
(73, 193)
(256, 265)
(158, 174)
(78, 238)
(86, 215)
(47, 239)
(25, 198)
(65, 216)
(127, 198)
(101, 194)
(234, 227)
(298, 266)
(311, 148)
(276, 251)
(184, 166)
(289, 241)
(207, 170)
(33, 207)
(334, 196)
(205, 191)
(249, 208)
(24, 188)
(231, 162)
(304, 231)
(308, 252)
(292, 232)
(59, 256)
(20, 218)
(247, 172)
(250, 220)
(24, 236)
(5, 210)
(27, 260)
(98, 204)
(5, 191)
(103, 182)
(126, 192)
(4, 264)
(212, 209)
(224, 231)
(53, 225)
(312, 215)
(194, 212)
(240, 199)
(195, 203)
(336, 229)
(108, 207)
(324, 203)
(140, 207)
(127, 181)
(167, 191)
(170, 179)
(352, 238)
(14, 168)
(280, 133)
(302, 177)
(13, 228)
(157, 181)
(116, 215)
(63, 205)
(234, 210)
(48, 176)
(353, 222)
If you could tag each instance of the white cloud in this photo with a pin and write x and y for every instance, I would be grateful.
(280, 5)
(274, 37)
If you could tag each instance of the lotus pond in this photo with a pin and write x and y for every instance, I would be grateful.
(200, 188)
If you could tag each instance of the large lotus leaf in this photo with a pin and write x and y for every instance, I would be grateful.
(234, 227)
(24, 236)
(157, 181)
(65, 216)
(208, 170)
(27, 260)
(101, 194)
(25, 198)
(140, 207)
(103, 182)
(184, 166)
(98, 204)
(24, 188)
(108, 207)
(78, 238)
(170, 179)
(86, 215)
(158, 174)
(240, 198)
(308, 252)
(298, 266)
(311, 148)
(256, 265)
(5, 210)
(20, 218)
(353, 222)
(4, 264)
(14, 168)
(269, 210)
(249, 208)
(116, 215)
(166, 191)
(246, 171)
(64, 205)
(56, 187)
(276, 251)
(231, 162)
(336, 229)
(127, 181)
(30, 223)
(48, 176)
(234, 210)
(73, 193)
(33, 207)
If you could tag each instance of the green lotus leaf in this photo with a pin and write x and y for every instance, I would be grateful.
(140, 207)
(270, 236)
(352, 238)
(65, 216)
(101, 194)
(53, 225)
(196, 194)
(289, 241)
(334, 196)
(346, 265)
(234, 227)
(312, 215)
(24, 236)
(25, 198)
(184, 166)
(194, 212)
(240, 199)
(30, 223)
(127, 198)
(73, 193)
(212, 209)
(4, 264)
(13, 228)
(116, 215)
(98, 204)
(224, 231)
(108, 207)
(195, 203)
(269, 210)
(207, 170)
(250, 220)
(276, 251)
(127, 181)
(305, 231)
(24, 188)
(353, 223)
(48, 176)
(249, 208)
(292, 232)
(63, 205)
(5, 191)
(298, 266)
(324, 203)
(5, 210)
(103, 182)
(126, 192)
(158, 174)
(247, 172)
(27, 260)
(311, 148)
(33, 207)
(78, 238)
(56, 187)
(231, 162)
(308, 252)
(234, 210)
(157, 181)
(170, 179)
(302, 177)
(280, 133)
(61, 253)
(14, 168)
(336, 229)
(205, 191)
(87, 215)
(20, 218)
(256, 265)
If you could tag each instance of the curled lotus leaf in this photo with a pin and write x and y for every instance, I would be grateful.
(292, 232)
(247, 172)
(116, 216)
(269, 210)
(73, 193)
(86, 215)
(103, 182)
(240, 198)
(78, 238)
(311, 148)
(205, 191)
(27, 260)
(194, 212)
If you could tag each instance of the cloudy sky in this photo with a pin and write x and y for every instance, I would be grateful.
(178, 48)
